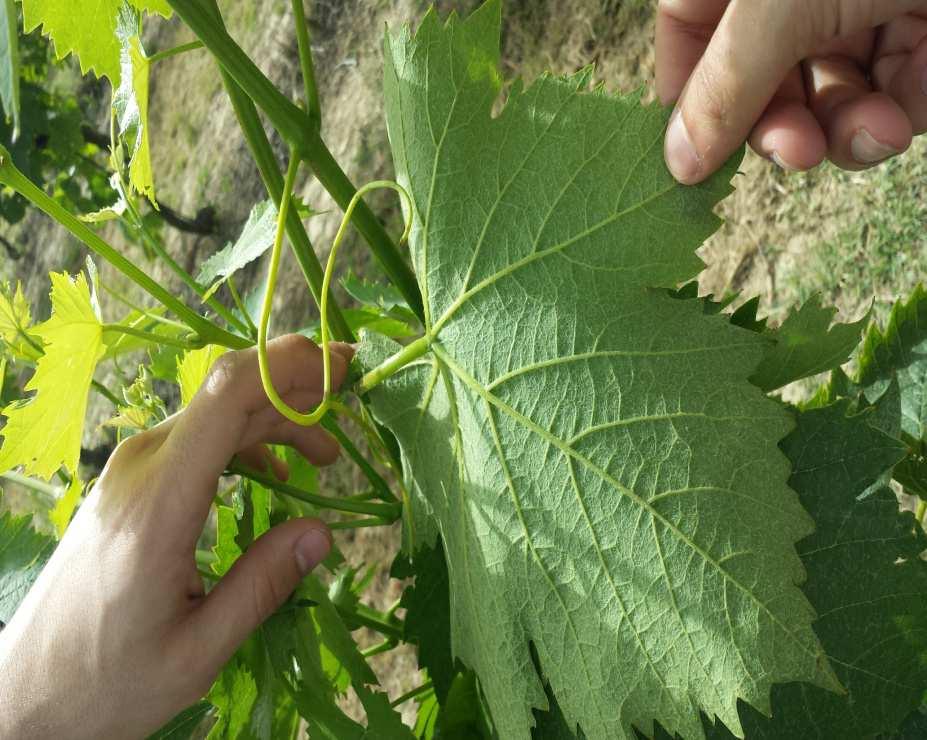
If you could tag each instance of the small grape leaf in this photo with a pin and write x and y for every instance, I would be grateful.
(193, 368)
(606, 482)
(9, 63)
(378, 295)
(63, 510)
(89, 33)
(428, 618)
(310, 649)
(233, 695)
(15, 324)
(866, 579)
(43, 433)
(130, 103)
(806, 344)
(23, 554)
(900, 351)
(256, 237)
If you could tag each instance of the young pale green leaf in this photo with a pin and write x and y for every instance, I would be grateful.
(92, 37)
(866, 579)
(605, 480)
(233, 695)
(23, 554)
(9, 63)
(130, 103)
(900, 351)
(44, 432)
(63, 510)
(256, 237)
(806, 344)
(193, 368)
(15, 324)
(377, 295)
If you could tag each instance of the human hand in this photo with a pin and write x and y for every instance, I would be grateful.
(802, 79)
(117, 636)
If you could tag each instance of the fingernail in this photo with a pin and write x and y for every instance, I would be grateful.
(311, 549)
(681, 157)
(777, 158)
(866, 150)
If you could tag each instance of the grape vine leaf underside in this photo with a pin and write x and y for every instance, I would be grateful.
(87, 30)
(605, 480)
(865, 579)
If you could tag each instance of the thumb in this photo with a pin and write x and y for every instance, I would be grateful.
(749, 56)
(255, 587)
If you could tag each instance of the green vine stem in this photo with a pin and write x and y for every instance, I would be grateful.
(137, 222)
(413, 694)
(266, 161)
(367, 617)
(921, 510)
(389, 513)
(172, 52)
(315, 416)
(381, 489)
(359, 523)
(295, 126)
(209, 332)
(313, 105)
(151, 336)
(405, 356)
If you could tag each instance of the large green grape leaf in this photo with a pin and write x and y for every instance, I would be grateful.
(87, 30)
(866, 579)
(43, 433)
(606, 482)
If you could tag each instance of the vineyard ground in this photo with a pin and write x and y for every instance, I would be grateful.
(848, 236)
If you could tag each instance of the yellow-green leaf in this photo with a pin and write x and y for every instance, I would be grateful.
(15, 319)
(193, 368)
(61, 513)
(88, 31)
(44, 432)
(130, 101)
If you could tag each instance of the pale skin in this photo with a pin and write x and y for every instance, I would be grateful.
(802, 80)
(117, 634)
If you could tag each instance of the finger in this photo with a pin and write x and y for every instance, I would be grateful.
(730, 88)
(314, 443)
(215, 424)
(684, 28)
(256, 586)
(790, 136)
(259, 457)
(862, 128)
(904, 78)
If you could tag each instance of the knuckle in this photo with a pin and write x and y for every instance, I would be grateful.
(716, 97)
(223, 374)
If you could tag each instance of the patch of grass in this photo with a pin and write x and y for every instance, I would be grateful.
(879, 249)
